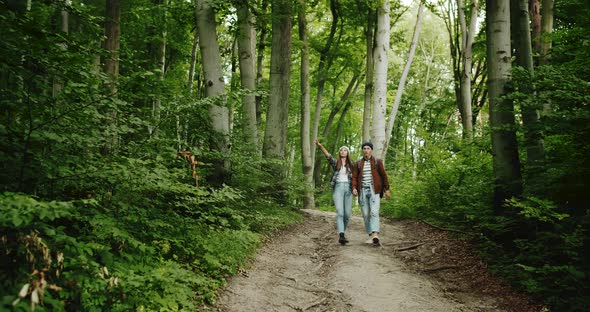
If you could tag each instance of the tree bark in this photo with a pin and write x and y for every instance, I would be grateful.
(306, 158)
(111, 67)
(369, 70)
(262, 26)
(535, 149)
(215, 89)
(275, 135)
(467, 37)
(402, 82)
(323, 67)
(246, 52)
(161, 64)
(546, 29)
(506, 161)
(381, 60)
(58, 84)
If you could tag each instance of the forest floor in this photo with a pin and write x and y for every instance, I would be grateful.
(416, 268)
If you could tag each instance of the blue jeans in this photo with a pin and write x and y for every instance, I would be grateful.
(370, 204)
(343, 201)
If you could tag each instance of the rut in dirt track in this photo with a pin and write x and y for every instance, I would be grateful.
(305, 269)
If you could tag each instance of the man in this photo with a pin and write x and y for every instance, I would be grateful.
(369, 181)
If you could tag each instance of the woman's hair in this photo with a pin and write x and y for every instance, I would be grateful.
(348, 163)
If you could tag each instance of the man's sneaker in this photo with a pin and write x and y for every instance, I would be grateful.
(369, 241)
(376, 240)
(342, 240)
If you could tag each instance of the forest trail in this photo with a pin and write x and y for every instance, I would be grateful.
(305, 269)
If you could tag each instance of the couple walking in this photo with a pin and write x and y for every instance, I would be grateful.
(367, 179)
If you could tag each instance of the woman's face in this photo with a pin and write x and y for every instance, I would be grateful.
(343, 152)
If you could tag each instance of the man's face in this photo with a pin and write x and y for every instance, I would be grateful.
(367, 151)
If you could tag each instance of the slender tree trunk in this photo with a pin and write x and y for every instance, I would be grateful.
(306, 159)
(402, 82)
(524, 58)
(161, 61)
(260, 56)
(546, 29)
(535, 16)
(506, 161)
(369, 70)
(277, 117)
(246, 51)
(193, 66)
(275, 135)
(111, 67)
(65, 28)
(467, 37)
(322, 72)
(215, 89)
(381, 65)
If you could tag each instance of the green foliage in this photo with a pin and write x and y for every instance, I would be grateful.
(122, 229)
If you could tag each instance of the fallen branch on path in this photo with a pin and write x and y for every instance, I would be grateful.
(410, 247)
(444, 267)
(313, 304)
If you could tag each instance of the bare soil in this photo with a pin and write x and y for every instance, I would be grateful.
(416, 268)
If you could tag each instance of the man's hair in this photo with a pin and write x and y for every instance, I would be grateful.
(369, 144)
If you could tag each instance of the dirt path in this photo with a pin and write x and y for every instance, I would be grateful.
(306, 270)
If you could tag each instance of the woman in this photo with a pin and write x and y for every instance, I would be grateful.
(342, 188)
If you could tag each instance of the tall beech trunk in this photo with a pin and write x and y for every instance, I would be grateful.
(323, 67)
(261, 46)
(506, 162)
(215, 89)
(369, 70)
(524, 58)
(246, 52)
(65, 28)
(402, 82)
(277, 117)
(546, 29)
(160, 56)
(111, 67)
(306, 158)
(381, 65)
(467, 37)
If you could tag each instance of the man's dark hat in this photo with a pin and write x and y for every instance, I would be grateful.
(369, 144)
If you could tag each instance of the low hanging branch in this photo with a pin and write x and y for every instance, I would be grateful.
(192, 161)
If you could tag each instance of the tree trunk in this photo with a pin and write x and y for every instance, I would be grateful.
(306, 158)
(369, 70)
(161, 62)
(402, 82)
(381, 60)
(323, 67)
(193, 65)
(467, 37)
(506, 162)
(275, 135)
(260, 57)
(535, 16)
(111, 67)
(524, 58)
(215, 89)
(546, 28)
(65, 28)
(246, 52)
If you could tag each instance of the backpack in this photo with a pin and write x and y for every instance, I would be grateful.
(358, 167)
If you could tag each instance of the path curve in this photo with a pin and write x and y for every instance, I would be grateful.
(305, 269)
